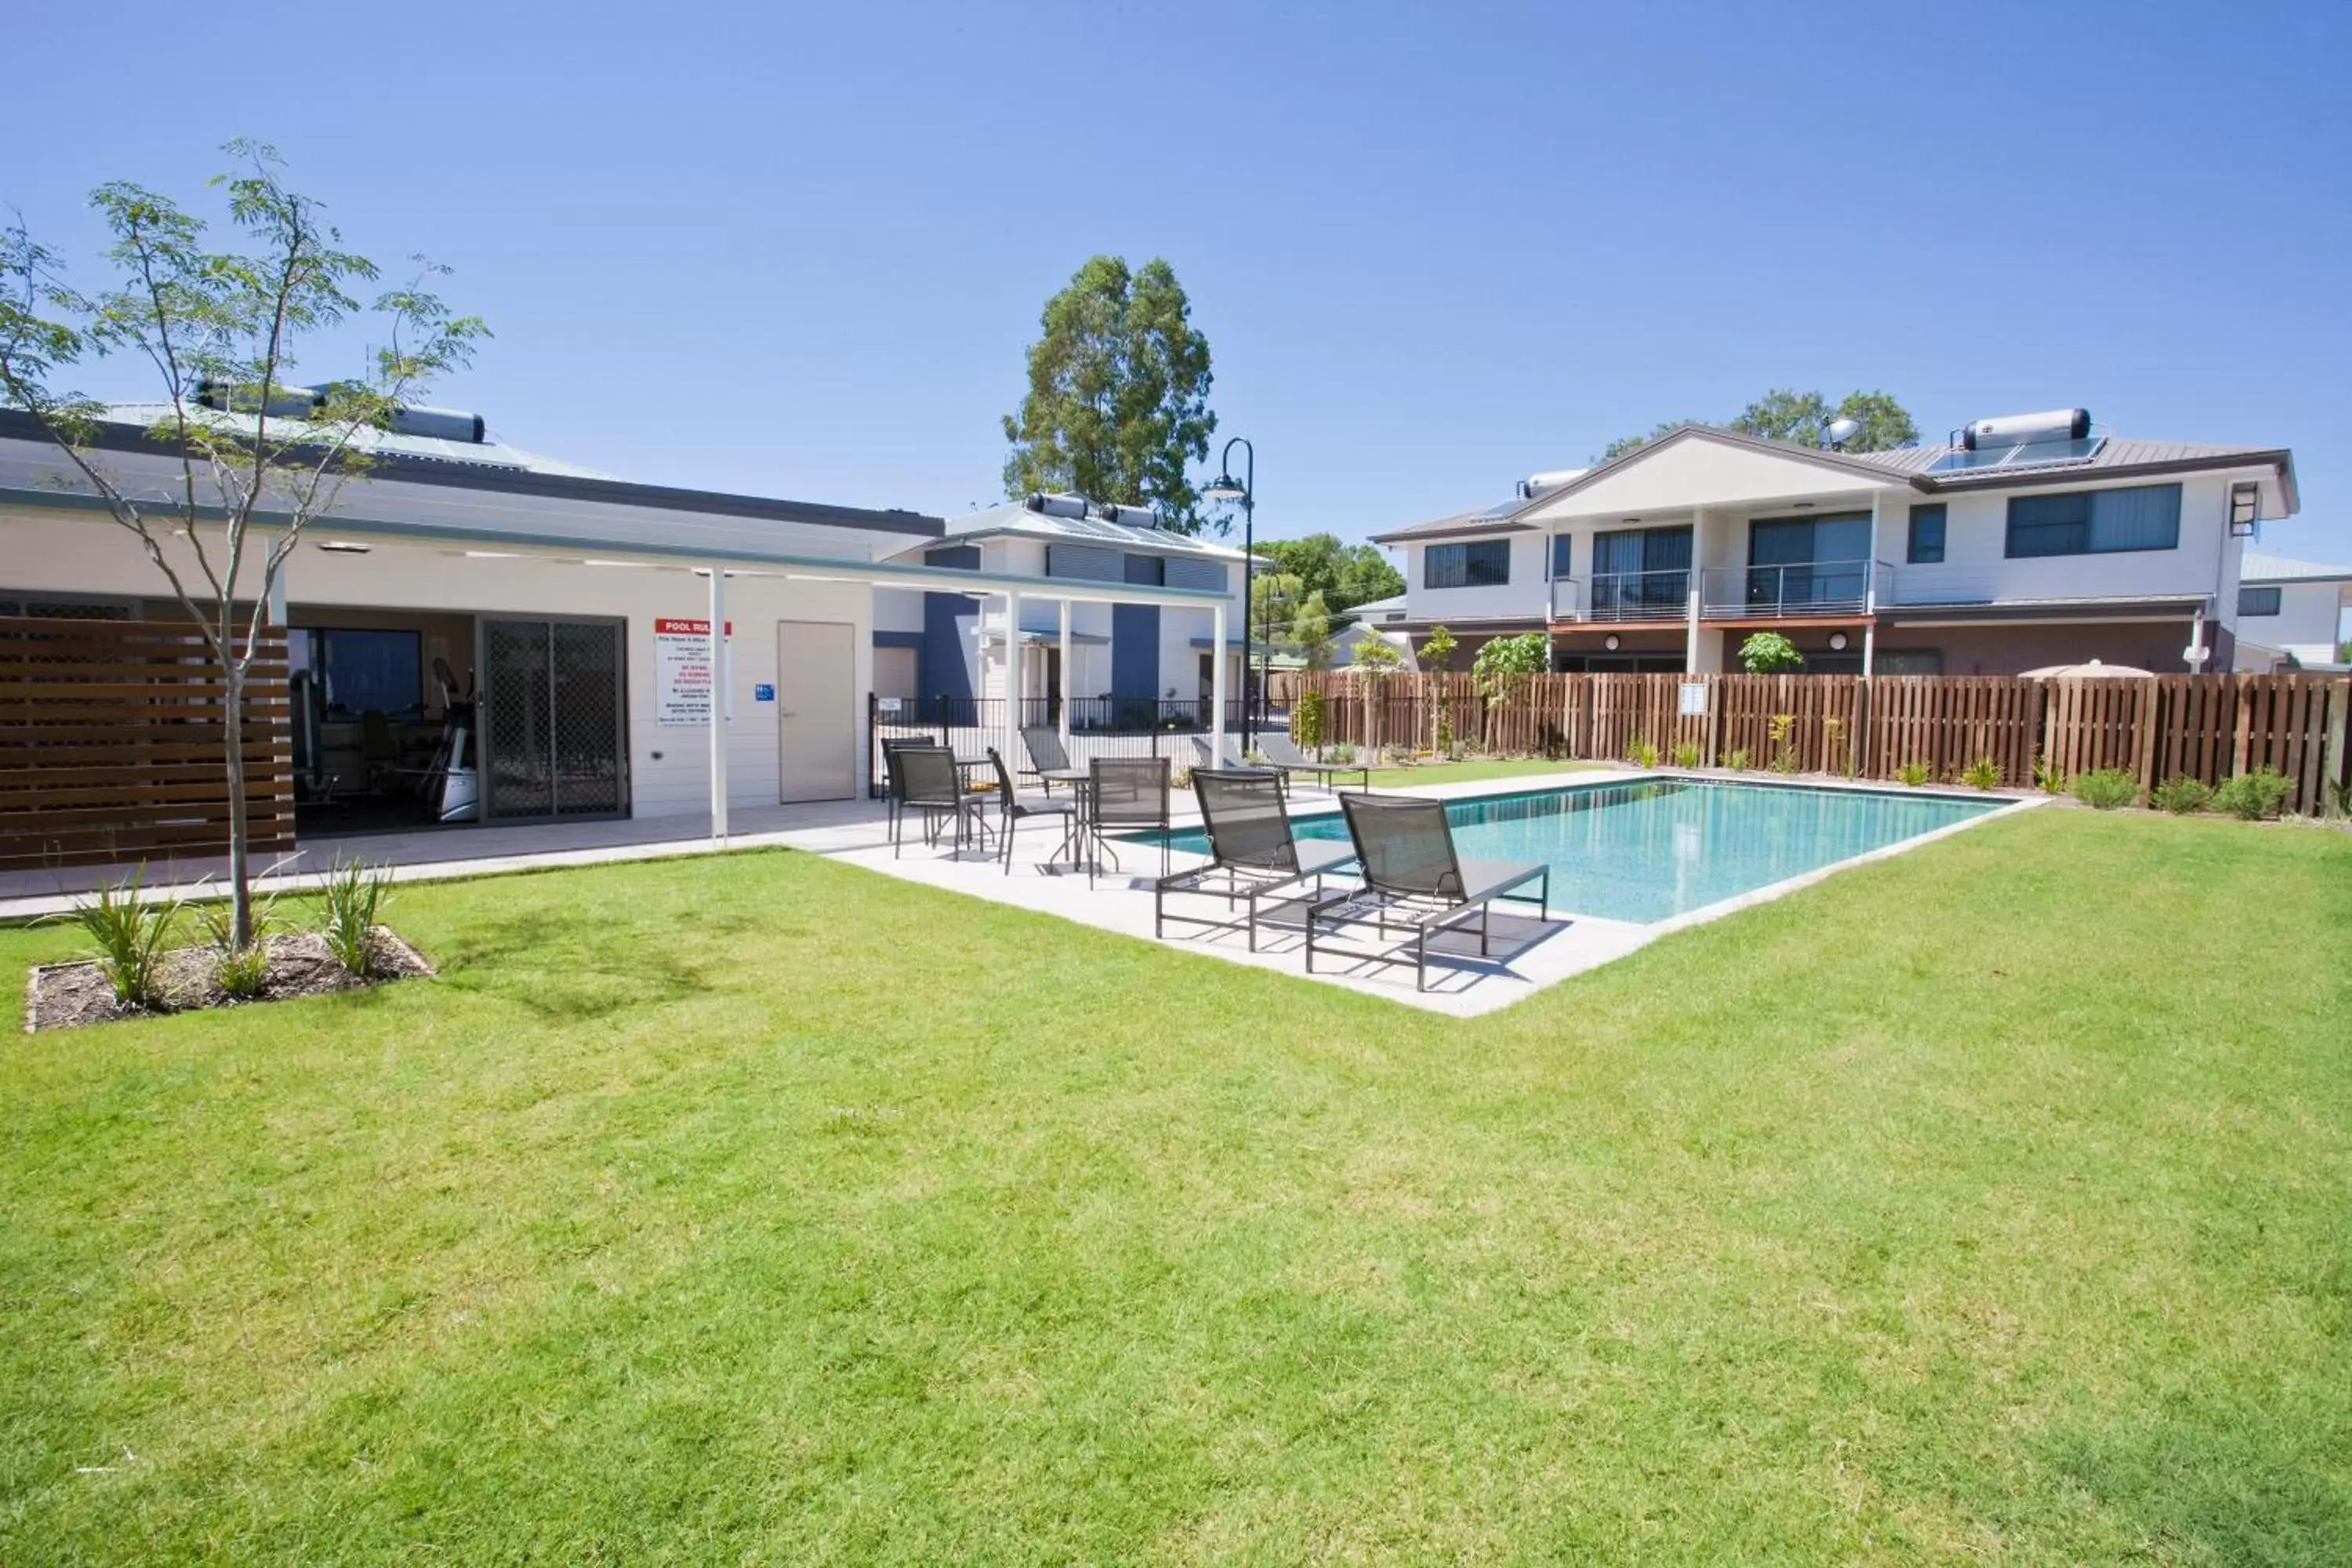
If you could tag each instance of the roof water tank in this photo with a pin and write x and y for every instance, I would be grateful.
(1054, 505)
(447, 424)
(1535, 485)
(2021, 429)
(1131, 516)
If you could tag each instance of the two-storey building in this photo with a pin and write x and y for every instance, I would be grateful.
(2024, 541)
(1114, 664)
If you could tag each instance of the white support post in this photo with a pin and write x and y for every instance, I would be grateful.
(1869, 645)
(1064, 695)
(718, 704)
(1010, 743)
(1690, 641)
(1217, 684)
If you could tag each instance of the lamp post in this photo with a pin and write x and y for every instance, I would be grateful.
(1224, 487)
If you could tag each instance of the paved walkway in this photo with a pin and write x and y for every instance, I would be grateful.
(1528, 953)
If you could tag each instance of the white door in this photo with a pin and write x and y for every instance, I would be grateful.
(817, 709)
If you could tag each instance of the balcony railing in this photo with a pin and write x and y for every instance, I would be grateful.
(1792, 590)
(1623, 597)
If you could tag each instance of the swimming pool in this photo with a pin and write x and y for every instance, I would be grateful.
(1655, 848)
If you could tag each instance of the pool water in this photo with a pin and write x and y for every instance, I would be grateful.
(1659, 847)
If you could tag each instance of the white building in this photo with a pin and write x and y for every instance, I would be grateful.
(2025, 542)
(562, 615)
(2292, 613)
(1117, 664)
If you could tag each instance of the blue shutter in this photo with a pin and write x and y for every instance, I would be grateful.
(2144, 517)
(1186, 572)
(1090, 562)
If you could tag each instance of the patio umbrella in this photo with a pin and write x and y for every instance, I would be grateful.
(2092, 670)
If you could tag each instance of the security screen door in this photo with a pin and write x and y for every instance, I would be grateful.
(554, 723)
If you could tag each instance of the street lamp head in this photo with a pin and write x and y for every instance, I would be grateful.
(1224, 487)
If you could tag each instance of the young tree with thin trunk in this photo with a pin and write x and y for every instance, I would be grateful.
(256, 458)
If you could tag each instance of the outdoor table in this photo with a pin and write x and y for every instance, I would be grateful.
(1075, 831)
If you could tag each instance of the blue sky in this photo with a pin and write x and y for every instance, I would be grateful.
(800, 251)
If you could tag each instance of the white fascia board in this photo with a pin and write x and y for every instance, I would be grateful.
(811, 568)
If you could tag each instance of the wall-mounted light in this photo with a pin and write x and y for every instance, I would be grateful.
(1611, 642)
(345, 547)
(1837, 642)
(1805, 506)
(494, 554)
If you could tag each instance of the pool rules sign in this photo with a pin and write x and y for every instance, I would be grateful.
(682, 671)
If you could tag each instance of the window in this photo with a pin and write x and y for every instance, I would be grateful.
(1479, 563)
(364, 671)
(2245, 508)
(2258, 601)
(1926, 547)
(1641, 573)
(1908, 661)
(1808, 562)
(1561, 552)
(2096, 522)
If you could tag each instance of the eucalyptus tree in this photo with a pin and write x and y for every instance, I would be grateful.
(255, 455)
(1118, 406)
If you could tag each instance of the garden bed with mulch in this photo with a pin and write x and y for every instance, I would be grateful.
(69, 995)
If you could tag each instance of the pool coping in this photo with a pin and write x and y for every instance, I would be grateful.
(1576, 945)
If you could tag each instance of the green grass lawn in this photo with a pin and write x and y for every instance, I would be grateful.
(1463, 773)
(1993, 1203)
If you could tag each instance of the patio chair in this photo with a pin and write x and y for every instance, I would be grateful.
(1047, 752)
(925, 780)
(1124, 792)
(1013, 809)
(1414, 882)
(1252, 851)
(1285, 754)
(1231, 760)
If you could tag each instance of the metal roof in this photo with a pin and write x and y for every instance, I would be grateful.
(2116, 452)
(374, 443)
(500, 468)
(1491, 520)
(1013, 517)
(2117, 456)
(2256, 566)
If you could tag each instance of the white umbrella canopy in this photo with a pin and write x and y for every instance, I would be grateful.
(2092, 670)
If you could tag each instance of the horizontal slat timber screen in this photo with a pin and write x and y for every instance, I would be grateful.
(112, 737)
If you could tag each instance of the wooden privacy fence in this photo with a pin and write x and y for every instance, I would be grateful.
(112, 737)
(2206, 727)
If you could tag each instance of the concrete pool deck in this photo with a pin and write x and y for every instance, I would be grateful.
(1530, 955)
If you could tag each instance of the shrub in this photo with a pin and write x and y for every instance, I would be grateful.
(128, 926)
(2181, 796)
(1915, 773)
(1343, 752)
(1306, 719)
(1783, 732)
(2105, 789)
(1833, 743)
(2253, 796)
(1982, 774)
(1768, 653)
(1642, 754)
(1686, 754)
(352, 898)
(1737, 760)
(2046, 776)
(242, 972)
